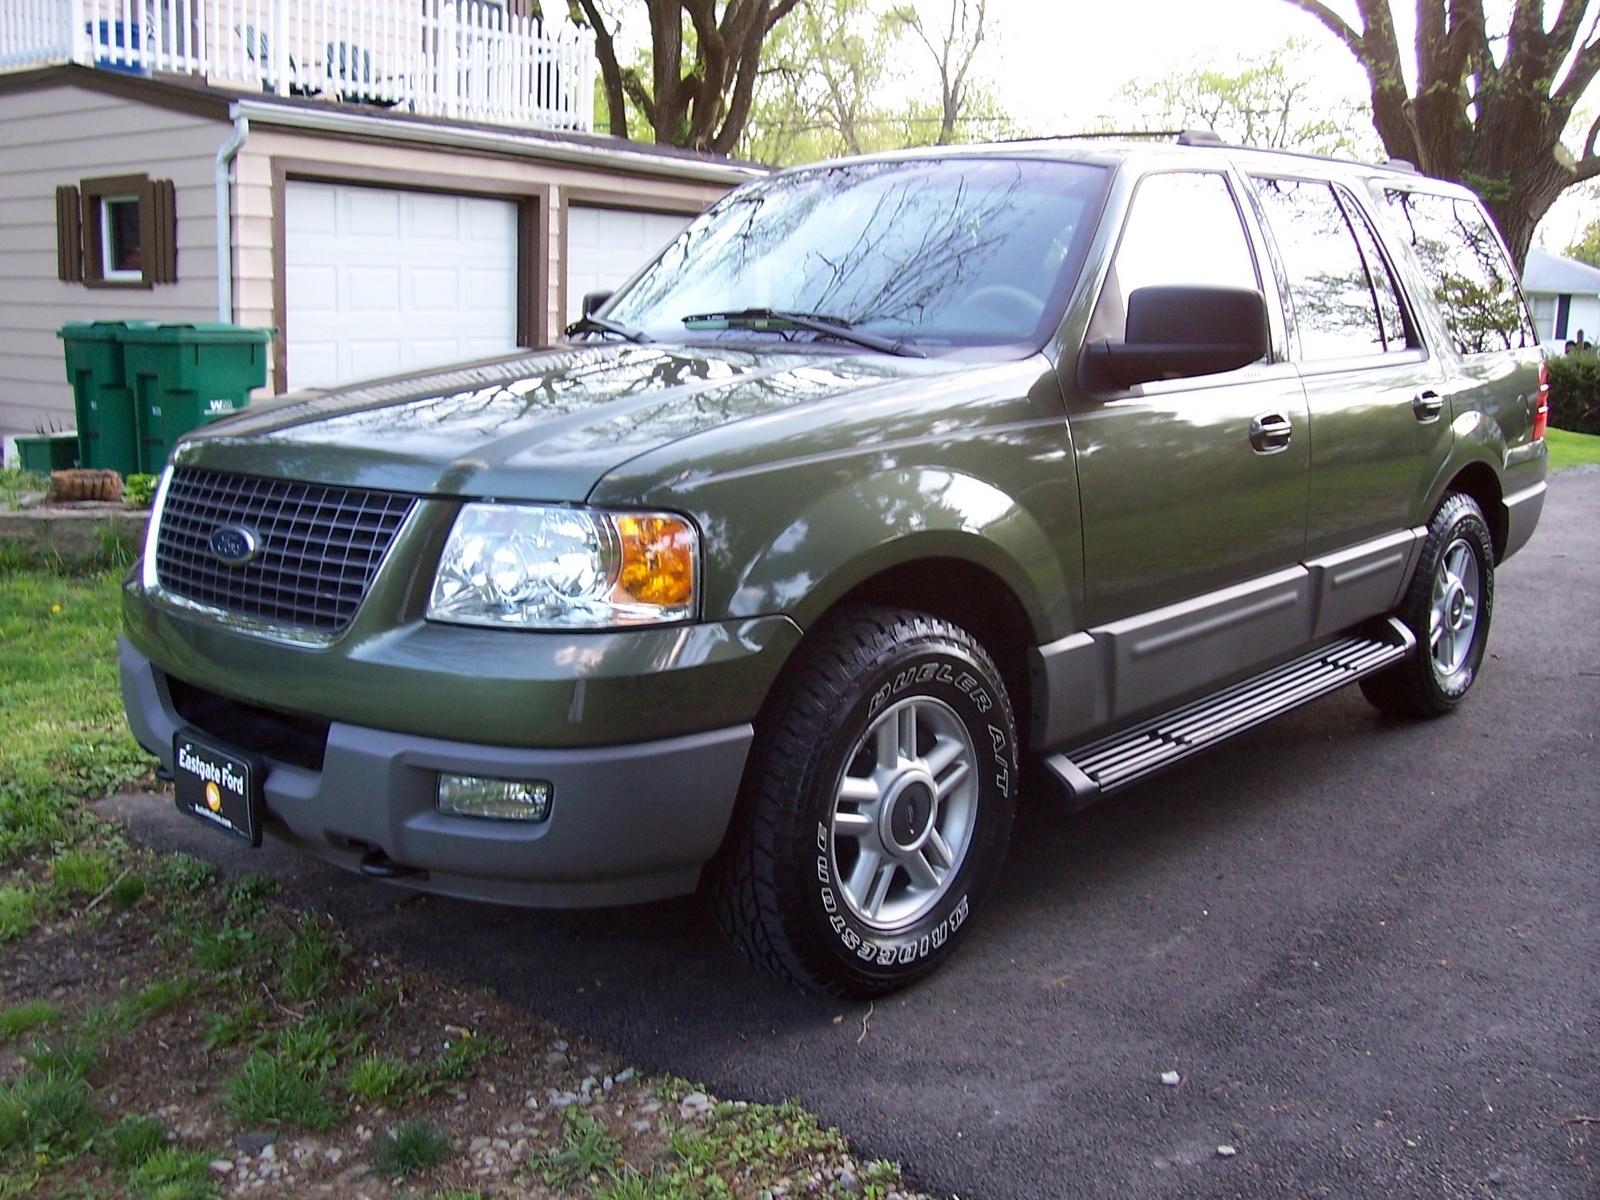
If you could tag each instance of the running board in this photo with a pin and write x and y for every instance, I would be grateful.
(1111, 764)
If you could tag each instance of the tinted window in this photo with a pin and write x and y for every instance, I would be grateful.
(1335, 309)
(1182, 229)
(952, 253)
(1465, 267)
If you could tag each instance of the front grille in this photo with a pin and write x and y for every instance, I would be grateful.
(319, 547)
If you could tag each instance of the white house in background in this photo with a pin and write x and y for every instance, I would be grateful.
(1565, 296)
(392, 184)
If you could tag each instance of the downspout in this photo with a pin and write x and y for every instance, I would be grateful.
(225, 157)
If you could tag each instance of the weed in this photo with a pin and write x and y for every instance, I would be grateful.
(248, 893)
(376, 1079)
(135, 1138)
(85, 871)
(456, 1194)
(139, 489)
(586, 1149)
(128, 890)
(21, 908)
(228, 948)
(310, 959)
(631, 1185)
(459, 1058)
(233, 1025)
(348, 1014)
(183, 873)
(164, 995)
(411, 1147)
(310, 1045)
(102, 1022)
(28, 1016)
(44, 1114)
(267, 1090)
(67, 1057)
(173, 1173)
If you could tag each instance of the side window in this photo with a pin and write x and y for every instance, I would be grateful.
(1335, 304)
(1464, 265)
(1182, 229)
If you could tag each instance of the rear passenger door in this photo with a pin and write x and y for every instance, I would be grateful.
(1380, 421)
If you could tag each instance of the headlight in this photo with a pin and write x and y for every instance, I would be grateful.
(535, 567)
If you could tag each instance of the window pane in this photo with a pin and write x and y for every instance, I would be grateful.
(120, 234)
(1332, 298)
(1466, 268)
(1384, 289)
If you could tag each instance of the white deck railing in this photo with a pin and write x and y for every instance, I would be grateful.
(443, 58)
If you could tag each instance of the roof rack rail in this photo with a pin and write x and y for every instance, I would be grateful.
(1402, 164)
(1199, 137)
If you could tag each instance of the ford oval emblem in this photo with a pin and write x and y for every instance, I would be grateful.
(233, 545)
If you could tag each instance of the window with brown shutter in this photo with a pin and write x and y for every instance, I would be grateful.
(129, 231)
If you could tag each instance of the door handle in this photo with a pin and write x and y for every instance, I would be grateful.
(1270, 433)
(1427, 405)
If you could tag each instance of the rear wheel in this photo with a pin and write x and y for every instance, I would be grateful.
(876, 807)
(1447, 607)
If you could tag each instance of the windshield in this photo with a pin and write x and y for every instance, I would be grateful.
(953, 253)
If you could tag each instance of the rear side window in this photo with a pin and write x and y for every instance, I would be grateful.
(1340, 295)
(1468, 272)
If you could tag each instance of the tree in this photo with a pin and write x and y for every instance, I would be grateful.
(953, 48)
(1267, 101)
(1487, 111)
(1587, 247)
(702, 105)
(834, 80)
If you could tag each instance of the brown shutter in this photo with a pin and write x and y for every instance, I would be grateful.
(163, 200)
(69, 234)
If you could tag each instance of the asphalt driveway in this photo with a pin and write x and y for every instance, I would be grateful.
(1370, 950)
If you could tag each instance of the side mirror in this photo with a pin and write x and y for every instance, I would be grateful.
(592, 302)
(1179, 332)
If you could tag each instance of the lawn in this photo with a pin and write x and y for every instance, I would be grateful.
(176, 1036)
(1569, 449)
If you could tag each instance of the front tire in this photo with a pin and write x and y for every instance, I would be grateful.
(876, 807)
(1447, 607)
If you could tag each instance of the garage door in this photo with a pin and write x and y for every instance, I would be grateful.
(607, 245)
(381, 281)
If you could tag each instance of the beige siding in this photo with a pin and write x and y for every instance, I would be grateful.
(308, 155)
(60, 136)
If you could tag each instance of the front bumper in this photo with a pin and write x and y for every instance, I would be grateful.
(628, 823)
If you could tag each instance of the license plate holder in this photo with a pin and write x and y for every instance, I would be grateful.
(217, 784)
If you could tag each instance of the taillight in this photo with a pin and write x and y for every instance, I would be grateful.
(1541, 412)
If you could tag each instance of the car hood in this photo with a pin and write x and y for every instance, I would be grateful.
(537, 426)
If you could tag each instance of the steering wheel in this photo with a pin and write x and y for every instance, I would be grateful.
(1007, 300)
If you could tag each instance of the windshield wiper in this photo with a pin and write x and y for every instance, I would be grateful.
(778, 319)
(594, 324)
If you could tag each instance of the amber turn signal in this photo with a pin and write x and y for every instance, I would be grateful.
(658, 561)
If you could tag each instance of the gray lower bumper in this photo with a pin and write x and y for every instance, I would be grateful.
(627, 824)
(1522, 516)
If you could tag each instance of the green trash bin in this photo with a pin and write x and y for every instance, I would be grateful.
(48, 452)
(184, 376)
(108, 437)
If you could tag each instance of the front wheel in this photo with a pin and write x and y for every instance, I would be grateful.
(1448, 607)
(876, 807)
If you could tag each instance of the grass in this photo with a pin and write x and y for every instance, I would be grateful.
(411, 1147)
(1568, 449)
(26, 1017)
(283, 1025)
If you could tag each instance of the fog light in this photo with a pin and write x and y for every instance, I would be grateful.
(499, 799)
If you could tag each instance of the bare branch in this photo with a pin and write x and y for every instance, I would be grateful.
(1337, 24)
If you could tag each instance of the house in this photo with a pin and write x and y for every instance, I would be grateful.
(391, 185)
(1565, 297)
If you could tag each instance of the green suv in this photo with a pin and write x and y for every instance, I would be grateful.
(895, 489)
